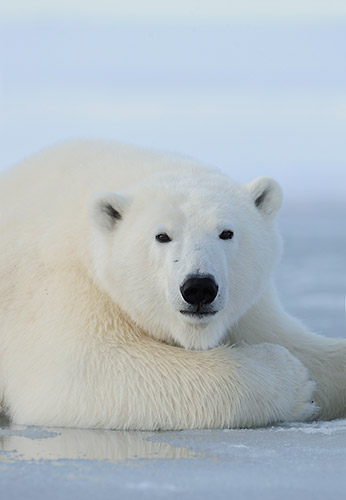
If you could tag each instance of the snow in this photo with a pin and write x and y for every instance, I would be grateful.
(301, 460)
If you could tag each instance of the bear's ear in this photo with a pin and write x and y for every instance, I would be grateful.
(106, 210)
(266, 194)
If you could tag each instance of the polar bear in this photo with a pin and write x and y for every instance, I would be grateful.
(136, 292)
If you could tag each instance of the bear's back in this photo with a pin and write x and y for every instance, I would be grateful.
(90, 166)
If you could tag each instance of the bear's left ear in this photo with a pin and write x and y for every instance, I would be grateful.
(266, 194)
(106, 210)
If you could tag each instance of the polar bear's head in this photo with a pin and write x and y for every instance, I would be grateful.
(186, 255)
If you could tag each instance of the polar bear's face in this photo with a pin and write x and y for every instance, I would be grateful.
(186, 258)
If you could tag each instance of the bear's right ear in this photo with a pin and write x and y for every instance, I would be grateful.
(266, 194)
(106, 210)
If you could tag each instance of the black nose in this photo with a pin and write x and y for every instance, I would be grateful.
(199, 290)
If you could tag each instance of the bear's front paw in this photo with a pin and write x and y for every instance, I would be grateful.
(290, 390)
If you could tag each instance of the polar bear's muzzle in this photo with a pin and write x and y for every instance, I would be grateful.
(199, 292)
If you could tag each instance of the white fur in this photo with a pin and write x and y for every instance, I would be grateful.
(91, 332)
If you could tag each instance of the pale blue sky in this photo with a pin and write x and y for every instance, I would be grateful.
(257, 88)
(181, 9)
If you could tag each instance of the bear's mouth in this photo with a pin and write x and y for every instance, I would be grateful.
(198, 314)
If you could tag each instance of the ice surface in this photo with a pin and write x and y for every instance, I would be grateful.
(297, 460)
(311, 278)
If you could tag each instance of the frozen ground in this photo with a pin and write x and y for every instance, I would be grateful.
(304, 461)
(301, 461)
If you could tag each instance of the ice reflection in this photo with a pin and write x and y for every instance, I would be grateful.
(32, 443)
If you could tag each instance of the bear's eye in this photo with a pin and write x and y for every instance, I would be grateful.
(163, 238)
(226, 235)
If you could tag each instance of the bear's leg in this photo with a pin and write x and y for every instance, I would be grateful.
(148, 385)
(325, 358)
